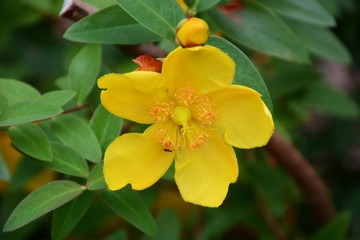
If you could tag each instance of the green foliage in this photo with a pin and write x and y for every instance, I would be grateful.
(168, 226)
(31, 140)
(68, 161)
(321, 41)
(84, 70)
(28, 111)
(15, 91)
(42, 201)
(68, 216)
(332, 101)
(111, 25)
(260, 29)
(77, 134)
(160, 16)
(105, 125)
(23, 103)
(336, 229)
(67, 131)
(120, 235)
(307, 11)
(4, 172)
(201, 5)
(56, 98)
(130, 206)
(96, 178)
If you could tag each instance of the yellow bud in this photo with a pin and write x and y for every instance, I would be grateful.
(192, 32)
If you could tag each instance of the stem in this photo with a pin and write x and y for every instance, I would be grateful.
(305, 176)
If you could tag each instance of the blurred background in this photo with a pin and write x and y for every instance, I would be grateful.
(316, 108)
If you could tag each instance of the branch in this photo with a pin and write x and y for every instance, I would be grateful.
(76, 10)
(304, 174)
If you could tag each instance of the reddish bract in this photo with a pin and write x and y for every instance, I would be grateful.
(148, 63)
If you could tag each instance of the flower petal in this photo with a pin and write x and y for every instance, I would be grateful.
(136, 159)
(131, 95)
(242, 116)
(203, 175)
(202, 68)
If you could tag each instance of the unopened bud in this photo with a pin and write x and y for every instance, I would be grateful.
(192, 32)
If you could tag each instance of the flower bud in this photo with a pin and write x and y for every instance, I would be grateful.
(192, 32)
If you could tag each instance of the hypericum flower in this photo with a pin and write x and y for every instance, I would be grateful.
(196, 116)
(192, 32)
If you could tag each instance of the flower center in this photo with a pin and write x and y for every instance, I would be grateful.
(184, 120)
(181, 115)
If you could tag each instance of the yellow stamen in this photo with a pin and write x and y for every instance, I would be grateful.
(184, 120)
(169, 136)
(161, 111)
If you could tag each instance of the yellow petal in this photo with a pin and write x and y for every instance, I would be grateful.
(135, 159)
(202, 68)
(131, 95)
(242, 116)
(203, 175)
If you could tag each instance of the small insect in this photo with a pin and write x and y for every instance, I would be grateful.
(167, 150)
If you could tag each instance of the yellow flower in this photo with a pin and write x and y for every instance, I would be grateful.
(196, 116)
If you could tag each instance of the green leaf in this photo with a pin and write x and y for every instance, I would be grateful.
(100, 4)
(17, 91)
(67, 161)
(336, 229)
(270, 183)
(223, 220)
(161, 16)
(105, 125)
(128, 204)
(308, 11)
(246, 73)
(29, 111)
(206, 4)
(332, 101)
(4, 172)
(258, 28)
(62, 82)
(111, 25)
(96, 178)
(119, 235)
(76, 133)
(3, 103)
(321, 41)
(42, 201)
(31, 140)
(68, 216)
(84, 70)
(290, 80)
(168, 226)
(202, 4)
(56, 98)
